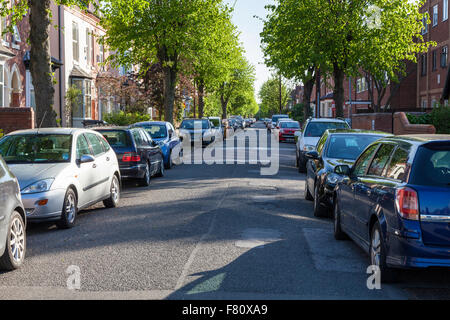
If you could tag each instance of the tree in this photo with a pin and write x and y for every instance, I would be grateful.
(38, 12)
(341, 36)
(269, 94)
(160, 31)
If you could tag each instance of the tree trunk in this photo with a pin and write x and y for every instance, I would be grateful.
(338, 91)
(307, 92)
(170, 80)
(224, 103)
(201, 94)
(40, 62)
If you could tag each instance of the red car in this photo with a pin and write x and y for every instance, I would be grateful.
(286, 130)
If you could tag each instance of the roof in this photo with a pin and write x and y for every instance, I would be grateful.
(357, 131)
(326, 120)
(48, 131)
(78, 73)
(108, 128)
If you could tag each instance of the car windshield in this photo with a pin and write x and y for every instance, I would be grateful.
(276, 118)
(194, 124)
(432, 166)
(117, 138)
(349, 147)
(289, 125)
(316, 129)
(38, 148)
(156, 131)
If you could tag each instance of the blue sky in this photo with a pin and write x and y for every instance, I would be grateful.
(250, 29)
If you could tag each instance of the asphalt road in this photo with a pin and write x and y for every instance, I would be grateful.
(207, 232)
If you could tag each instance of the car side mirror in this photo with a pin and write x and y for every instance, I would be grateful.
(342, 170)
(86, 158)
(313, 155)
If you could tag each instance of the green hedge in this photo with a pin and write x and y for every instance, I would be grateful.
(124, 119)
(439, 118)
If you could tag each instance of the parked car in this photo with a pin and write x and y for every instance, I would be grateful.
(335, 147)
(394, 202)
(308, 138)
(61, 171)
(286, 130)
(164, 134)
(275, 118)
(13, 242)
(139, 157)
(197, 130)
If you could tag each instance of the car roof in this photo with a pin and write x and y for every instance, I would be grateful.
(419, 139)
(111, 128)
(357, 131)
(326, 120)
(150, 122)
(49, 131)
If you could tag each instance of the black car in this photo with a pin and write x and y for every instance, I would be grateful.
(138, 155)
(12, 221)
(335, 147)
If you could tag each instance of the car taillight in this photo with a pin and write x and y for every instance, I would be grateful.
(129, 157)
(407, 203)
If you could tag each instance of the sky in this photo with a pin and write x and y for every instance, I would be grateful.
(250, 29)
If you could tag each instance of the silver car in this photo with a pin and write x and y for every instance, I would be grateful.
(12, 221)
(62, 170)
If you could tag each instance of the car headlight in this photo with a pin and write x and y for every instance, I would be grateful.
(332, 178)
(308, 148)
(40, 186)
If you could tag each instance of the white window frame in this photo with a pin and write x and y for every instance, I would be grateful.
(88, 47)
(444, 10)
(29, 90)
(425, 26)
(435, 15)
(75, 42)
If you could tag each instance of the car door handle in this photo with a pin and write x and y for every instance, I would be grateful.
(369, 192)
(107, 158)
(94, 166)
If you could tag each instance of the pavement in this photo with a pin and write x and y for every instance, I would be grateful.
(220, 231)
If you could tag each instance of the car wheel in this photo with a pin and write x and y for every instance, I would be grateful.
(16, 243)
(169, 163)
(145, 181)
(114, 197)
(296, 160)
(301, 165)
(308, 195)
(338, 233)
(161, 169)
(319, 210)
(69, 210)
(377, 253)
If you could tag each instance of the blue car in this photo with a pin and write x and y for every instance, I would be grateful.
(164, 134)
(394, 202)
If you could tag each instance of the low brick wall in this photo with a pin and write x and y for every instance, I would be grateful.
(373, 121)
(12, 119)
(402, 126)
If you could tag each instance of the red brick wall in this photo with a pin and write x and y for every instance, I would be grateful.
(402, 126)
(380, 121)
(12, 119)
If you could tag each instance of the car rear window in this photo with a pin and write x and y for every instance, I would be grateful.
(117, 138)
(316, 129)
(289, 125)
(431, 166)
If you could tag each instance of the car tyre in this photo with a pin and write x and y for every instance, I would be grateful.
(338, 233)
(319, 209)
(16, 243)
(301, 165)
(377, 253)
(69, 211)
(161, 169)
(114, 194)
(169, 163)
(308, 195)
(145, 181)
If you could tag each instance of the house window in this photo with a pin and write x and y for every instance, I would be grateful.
(424, 65)
(75, 42)
(425, 25)
(4, 25)
(444, 56)
(444, 10)
(30, 98)
(434, 103)
(435, 15)
(2, 86)
(434, 62)
(16, 35)
(89, 47)
(361, 85)
(83, 105)
(101, 54)
(88, 100)
(424, 104)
